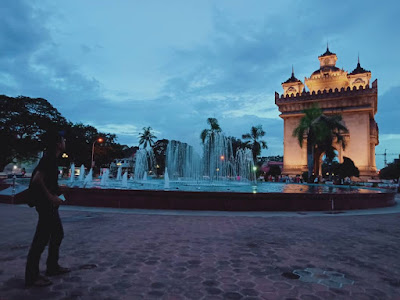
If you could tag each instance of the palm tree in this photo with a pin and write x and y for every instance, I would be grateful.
(214, 128)
(147, 137)
(321, 132)
(255, 134)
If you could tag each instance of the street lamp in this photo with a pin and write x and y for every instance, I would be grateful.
(100, 140)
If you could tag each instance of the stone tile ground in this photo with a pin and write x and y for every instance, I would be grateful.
(136, 256)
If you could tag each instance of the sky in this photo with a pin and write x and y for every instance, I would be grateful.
(122, 65)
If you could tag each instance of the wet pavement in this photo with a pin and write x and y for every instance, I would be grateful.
(133, 254)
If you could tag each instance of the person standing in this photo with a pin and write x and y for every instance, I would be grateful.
(43, 194)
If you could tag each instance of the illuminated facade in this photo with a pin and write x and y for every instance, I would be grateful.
(335, 91)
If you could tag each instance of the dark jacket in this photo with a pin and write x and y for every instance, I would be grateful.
(48, 167)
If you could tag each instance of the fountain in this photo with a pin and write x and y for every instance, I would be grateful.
(145, 162)
(82, 173)
(166, 179)
(182, 161)
(220, 179)
(124, 182)
(119, 172)
(104, 177)
(72, 176)
(89, 177)
(219, 162)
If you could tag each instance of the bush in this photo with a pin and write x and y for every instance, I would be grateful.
(392, 171)
(346, 169)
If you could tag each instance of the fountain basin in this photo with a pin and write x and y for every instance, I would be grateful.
(227, 201)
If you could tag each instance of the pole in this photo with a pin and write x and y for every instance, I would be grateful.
(91, 165)
(385, 161)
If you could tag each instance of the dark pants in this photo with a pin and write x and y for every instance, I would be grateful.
(49, 230)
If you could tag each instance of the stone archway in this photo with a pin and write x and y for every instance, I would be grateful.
(322, 159)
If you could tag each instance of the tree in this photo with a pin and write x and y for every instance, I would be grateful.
(321, 132)
(79, 143)
(346, 169)
(147, 137)
(255, 134)
(129, 151)
(274, 171)
(238, 144)
(214, 128)
(23, 123)
(160, 153)
(392, 171)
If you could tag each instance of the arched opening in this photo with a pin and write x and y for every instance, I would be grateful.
(327, 165)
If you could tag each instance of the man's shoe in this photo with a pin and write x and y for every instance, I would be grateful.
(57, 271)
(39, 282)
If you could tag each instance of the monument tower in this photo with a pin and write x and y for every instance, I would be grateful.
(336, 92)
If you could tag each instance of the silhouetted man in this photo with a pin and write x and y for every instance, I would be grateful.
(43, 194)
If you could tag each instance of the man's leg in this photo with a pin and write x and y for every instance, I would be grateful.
(40, 240)
(56, 236)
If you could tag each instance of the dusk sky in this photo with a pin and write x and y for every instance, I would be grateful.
(122, 65)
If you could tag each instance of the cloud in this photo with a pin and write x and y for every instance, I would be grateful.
(30, 63)
(118, 129)
(230, 73)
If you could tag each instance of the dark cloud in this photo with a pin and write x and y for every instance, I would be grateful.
(231, 76)
(30, 62)
(22, 31)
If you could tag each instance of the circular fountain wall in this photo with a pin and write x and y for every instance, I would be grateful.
(230, 197)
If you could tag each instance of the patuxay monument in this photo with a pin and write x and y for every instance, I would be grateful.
(336, 92)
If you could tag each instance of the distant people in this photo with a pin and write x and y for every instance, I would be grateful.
(23, 172)
(43, 194)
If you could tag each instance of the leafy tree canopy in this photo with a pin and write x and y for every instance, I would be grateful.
(23, 123)
(147, 137)
(160, 153)
(346, 169)
(392, 171)
(214, 127)
(322, 132)
(256, 144)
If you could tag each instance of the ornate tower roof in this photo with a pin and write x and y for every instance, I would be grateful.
(328, 76)
(327, 52)
(292, 79)
(359, 76)
(359, 69)
(292, 85)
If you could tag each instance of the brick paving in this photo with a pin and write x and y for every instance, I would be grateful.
(137, 256)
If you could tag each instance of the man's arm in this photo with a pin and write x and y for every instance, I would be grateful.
(38, 180)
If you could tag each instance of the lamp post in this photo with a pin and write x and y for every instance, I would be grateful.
(100, 140)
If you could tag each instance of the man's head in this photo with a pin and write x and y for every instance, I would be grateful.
(55, 142)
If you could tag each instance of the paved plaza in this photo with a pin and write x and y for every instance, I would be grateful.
(134, 254)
